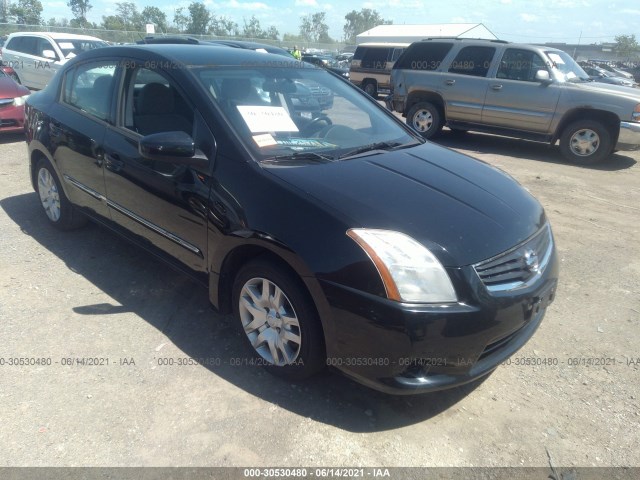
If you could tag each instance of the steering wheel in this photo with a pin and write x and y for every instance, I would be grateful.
(310, 127)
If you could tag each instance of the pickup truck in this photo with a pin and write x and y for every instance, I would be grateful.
(517, 90)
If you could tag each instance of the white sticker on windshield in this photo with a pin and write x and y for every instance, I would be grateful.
(556, 59)
(264, 140)
(267, 119)
(66, 45)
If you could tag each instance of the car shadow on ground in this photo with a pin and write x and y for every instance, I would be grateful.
(472, 142)
(173, 304)
(12, 137)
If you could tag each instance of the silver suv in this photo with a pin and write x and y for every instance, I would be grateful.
(37, 56)
(516, 90)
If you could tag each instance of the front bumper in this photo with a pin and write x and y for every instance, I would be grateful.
(629, 137)
(409, 348)
(11, 118)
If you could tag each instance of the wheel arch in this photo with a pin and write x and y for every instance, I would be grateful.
(610, 120)
(424, 96)
(221, 285)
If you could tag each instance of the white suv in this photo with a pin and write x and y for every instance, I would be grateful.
(36, 56)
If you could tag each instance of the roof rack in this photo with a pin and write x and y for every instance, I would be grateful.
(466, 39)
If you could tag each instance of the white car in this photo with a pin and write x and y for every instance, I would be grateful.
(36, 56)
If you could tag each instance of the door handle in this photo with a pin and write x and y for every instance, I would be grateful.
(113, 162)
(496, 87)
(450, 82)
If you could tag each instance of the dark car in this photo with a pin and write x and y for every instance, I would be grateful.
(329, 63)
(601, 75)
(342, 240)
(12, 99)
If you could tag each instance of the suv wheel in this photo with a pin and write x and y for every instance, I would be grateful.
(278, 319)
(425, 118)
(370, 88)
(585, 142)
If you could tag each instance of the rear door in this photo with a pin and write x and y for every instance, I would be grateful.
(159, 202)
(515, 99)
(465, 83)
(77, 126)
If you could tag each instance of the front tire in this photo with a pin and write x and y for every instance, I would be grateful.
(57, 207)
(278, 319)
(425, 118)
(586, 142)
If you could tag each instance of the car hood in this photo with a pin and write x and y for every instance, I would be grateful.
(601, 87)
(462, 209)
(10, 89)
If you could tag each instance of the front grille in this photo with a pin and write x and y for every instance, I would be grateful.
(8, 123)
(6, 102)
(519, 266)
(497, 345)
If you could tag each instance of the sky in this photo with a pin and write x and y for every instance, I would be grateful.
(534, 21)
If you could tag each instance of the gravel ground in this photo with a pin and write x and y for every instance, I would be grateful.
(89, 294)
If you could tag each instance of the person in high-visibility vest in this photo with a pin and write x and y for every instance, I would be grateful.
(296, 53)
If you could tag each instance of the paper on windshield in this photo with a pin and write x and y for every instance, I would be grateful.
(556, 59)
(66, 45)
(267, 119)
(264, 140)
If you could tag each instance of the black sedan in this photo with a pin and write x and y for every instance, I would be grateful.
(340, 239)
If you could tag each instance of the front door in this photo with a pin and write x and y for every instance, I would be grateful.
(515, 99)
(160, 202)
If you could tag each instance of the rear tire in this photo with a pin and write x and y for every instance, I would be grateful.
(57, 207)
(370, 88)
(586, 142)
(425, 118)
(278, 320)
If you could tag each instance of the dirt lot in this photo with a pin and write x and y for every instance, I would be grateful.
(90, 294)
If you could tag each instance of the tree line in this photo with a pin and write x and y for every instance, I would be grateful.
(195, 19)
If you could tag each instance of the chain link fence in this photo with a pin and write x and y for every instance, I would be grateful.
(122, 36)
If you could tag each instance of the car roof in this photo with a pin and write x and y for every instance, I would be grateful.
(197, 55)
(55, 35)
(182, 39)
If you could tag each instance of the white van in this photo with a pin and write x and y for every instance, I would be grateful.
(37, 56)
(371, 66)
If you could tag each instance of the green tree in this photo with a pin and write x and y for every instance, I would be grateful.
(314, 28)
(129, 15)
(4, 11)
(199, 19)
(627, 46)
(113, 22)
(79, 8)
(156, 16)
(358, 22)
(27, 11)
(54, 22)
(252, 28)
(180, 19)
(224, 27)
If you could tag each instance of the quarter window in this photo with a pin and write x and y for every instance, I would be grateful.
(517, 64)
(473, 61)
(88, 87)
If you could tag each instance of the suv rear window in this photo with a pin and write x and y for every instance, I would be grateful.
(424, 56)
(473, 61)
(375, 57)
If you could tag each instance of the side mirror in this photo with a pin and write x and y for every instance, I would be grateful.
(172, 147)
(542, 76)
(50, 54)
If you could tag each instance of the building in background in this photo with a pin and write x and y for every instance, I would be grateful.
(414, 33)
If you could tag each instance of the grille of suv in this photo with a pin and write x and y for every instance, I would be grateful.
(519, 266)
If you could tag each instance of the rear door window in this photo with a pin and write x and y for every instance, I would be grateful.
(473, 61)
(375, 58)
(89, 88)
(424, 56)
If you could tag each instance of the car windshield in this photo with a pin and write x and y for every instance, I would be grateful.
(566, 68)
(72, 47)
(301, 114)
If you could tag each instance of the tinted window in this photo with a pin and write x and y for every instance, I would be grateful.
(88, 87)
(521, 65)
(153, 104)
(424, 56)
(375, 57)
(72, 47)
(473, 61)
(26, 45)
(396, 54)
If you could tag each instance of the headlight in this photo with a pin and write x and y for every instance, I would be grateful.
(409, 271)
(20, 100)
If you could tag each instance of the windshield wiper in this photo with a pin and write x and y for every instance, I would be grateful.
(308, 156)
(377, 146)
